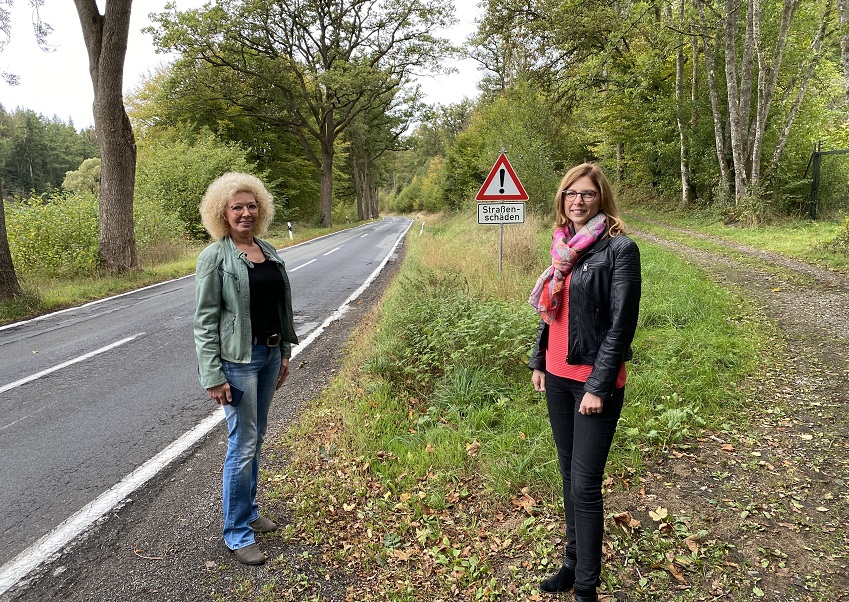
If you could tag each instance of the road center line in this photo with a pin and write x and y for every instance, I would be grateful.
(301, 266)
(50, 544)
(331, 251)
(76, 360)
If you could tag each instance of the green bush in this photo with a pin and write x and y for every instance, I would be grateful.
(437, 326)
(57, 237)
(85, 179)
(154, 225)
(173, 175)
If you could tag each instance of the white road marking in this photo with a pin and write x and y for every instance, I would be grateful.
(50, 545)
(76, 360)
(90, 303)
(331, 251)
(301, 266)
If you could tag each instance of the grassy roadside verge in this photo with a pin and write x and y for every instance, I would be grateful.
(426, 471)
(47, 293)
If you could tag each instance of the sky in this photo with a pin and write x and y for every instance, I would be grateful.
(57, 83)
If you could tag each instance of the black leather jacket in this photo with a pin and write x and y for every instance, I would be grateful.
(604, 301)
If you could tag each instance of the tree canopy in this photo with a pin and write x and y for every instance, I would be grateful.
(309, 67)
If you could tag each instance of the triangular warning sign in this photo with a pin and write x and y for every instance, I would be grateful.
(502, 184)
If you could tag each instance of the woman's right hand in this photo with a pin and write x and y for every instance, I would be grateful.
(538, 379)
(220, 394)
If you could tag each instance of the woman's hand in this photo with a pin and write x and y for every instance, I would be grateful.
(220, 394)
(591, 404)
(284, 372)
(538, 379)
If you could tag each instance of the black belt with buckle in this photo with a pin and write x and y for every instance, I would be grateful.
(271, 340)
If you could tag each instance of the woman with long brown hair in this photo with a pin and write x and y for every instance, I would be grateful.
(588, 300)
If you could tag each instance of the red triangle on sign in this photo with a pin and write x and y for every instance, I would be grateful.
(502, 184)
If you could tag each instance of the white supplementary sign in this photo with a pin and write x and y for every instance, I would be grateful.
(501, 213)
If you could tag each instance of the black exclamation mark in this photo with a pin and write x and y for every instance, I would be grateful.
(501, 175)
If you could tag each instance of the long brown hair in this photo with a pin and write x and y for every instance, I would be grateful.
(607, 204)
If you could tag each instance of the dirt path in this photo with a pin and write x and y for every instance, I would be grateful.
(777, 495)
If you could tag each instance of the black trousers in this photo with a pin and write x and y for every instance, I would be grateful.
(583, 443)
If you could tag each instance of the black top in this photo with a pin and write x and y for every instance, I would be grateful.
(267, 292)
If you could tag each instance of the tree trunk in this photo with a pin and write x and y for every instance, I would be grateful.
(746, 79)
(843, 16)
(9, 286)
(816, 54)
(686, 187)
(327, 142)
(106, 42)
(358, 186)
(732, 19)
(375, 206)
(768, 77)
(369, 198)
(718, 117)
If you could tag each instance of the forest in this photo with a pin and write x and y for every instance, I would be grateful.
(693, 105)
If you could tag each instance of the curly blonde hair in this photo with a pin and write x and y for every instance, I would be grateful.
(213, 207)
(607, 205)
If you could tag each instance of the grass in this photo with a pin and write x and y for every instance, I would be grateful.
(432, 443)
(798, 238)
(44, 293)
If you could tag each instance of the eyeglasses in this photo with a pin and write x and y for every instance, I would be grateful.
(588, 195)
(251, 207)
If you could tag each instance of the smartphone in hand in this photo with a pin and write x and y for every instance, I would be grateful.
(235, 396)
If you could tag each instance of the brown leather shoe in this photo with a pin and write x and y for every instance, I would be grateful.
(263, 525)
(250, 554)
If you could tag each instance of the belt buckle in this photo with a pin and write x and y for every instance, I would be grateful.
(273, 340)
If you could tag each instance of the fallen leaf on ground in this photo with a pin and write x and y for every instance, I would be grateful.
(692, 543)
(525, 502)
(658, 514)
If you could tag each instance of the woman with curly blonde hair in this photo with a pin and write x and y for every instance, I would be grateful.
(244, 332)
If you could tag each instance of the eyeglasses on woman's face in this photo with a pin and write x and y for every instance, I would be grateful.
(587, 195)
(239, 208)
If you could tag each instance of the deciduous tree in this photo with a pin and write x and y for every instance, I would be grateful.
(105, 38)
(311, 66)
(753, 69)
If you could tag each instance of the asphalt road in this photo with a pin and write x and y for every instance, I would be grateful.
(90, 394)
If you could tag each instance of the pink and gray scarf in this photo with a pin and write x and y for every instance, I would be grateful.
(565, 250)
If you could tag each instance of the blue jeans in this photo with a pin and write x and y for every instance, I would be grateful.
(583, 443)
(246, 424)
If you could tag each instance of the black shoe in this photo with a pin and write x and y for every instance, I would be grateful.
(585, 595)
(560, 582)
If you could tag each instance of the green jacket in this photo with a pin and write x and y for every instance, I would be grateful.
(222, 323)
